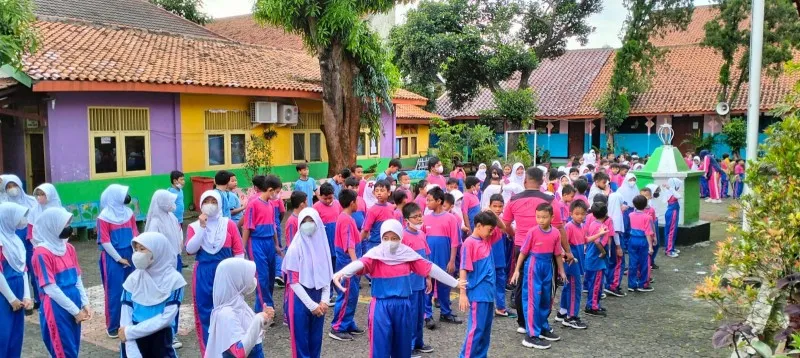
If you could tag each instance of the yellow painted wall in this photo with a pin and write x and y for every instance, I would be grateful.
(423, 138)
(193, 137)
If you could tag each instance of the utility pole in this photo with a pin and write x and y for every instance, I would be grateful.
(754, 94)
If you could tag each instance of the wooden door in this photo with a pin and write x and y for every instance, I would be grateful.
(576, 135)
(684, 128)
(37, 173)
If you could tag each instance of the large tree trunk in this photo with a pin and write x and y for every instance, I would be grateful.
(341, 110)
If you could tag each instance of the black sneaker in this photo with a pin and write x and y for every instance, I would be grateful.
(654, 267)
(618, 292)
(646, 289)
(356, 332)
(279, 282)
(450, 319)
(535, 342)
(509, 288)
(340, 336)
(603, 309)
(560, 317)
(597, 313)
(430, 323)
(550, 336)
(424, 349)
(574, 322)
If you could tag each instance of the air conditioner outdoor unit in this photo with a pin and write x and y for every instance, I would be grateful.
(287, 114)
(264, 112)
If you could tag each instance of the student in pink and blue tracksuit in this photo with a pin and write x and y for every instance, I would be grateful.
(391, 264)
(297, 201)
(444, 237)
(280, 211)
(64, 301)
(329, 209)
(212, 238)
(116, 227)
(360, 215)
(500, 241)
(414, 238)
(16, 296)
(309, 271)
(470, 204)
(641, 247)
(376, 215)
(671, 194)
(46, 197)
(347, 235)
(616, 251)
(649, 192)
(542, 244)
(258, 236)
(478, 270)
(595, 261)
(570, 303)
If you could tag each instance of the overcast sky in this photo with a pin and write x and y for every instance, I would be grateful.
(607, 23)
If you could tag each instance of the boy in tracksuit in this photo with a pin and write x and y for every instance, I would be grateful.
(498, 240)
(376, 215)
(258, 236)
(444, 236)
(595, 261)
(640, 248)
(470, 204)
(414, 237)
(345, 238)
(571, 293)
(329, 209)
(477, 268)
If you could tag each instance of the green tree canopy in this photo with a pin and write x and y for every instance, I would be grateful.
(17, 34)
(187, 9)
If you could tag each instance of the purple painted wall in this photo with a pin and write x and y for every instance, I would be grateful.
(389, 122)
(68, 130)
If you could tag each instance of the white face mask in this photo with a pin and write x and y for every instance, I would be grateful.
(406, 186)
(209, 209)
(141, 260)
(392, 245)
(275, 196)
(251, 287)
(393, 188)
(440, 170)
(415, 226)
(178, 186)
(23, 223)
(13, 192)
(308, 228)
(631, 184)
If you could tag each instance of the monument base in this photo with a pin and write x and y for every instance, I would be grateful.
(690, 234)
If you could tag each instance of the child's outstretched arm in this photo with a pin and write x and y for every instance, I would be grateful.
(347, 272)
(440, 275)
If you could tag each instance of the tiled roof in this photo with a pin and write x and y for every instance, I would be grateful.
(6, 82)
(77, 51)
(686, 82)
(130, 13)
(245, 29)
(695, 32)
(410, 111)
(560, 85)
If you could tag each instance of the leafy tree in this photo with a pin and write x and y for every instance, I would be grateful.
(259, 154)
(357, 77)
(187, 9)
(700, 141)
(17, 34)
(735, 132)
(635, 62)
(494, 44)
(451, 141)
(481, 141)
(729, 35)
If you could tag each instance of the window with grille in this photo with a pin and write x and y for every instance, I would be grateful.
(119, 141)
(405, 144)
(308, 142)
(226, 137)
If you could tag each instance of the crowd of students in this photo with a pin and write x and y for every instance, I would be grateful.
(507, 228)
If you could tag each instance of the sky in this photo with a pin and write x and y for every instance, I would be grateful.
(607, 23)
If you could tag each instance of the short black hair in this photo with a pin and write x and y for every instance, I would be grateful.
(326, 189)
(600, 198)
(534, 174)
(272, 182)
(452, 181)
(725, 156)
(581, 185)
(646, 189)
(351, 181)
(432, 162)
(614, 165)
(301, 166)
(545, 207)
(599, 210)
(639, 202)
(552, 174)
(175, 175)
(345, 173)
(353, 169)
(399, 196)
(574, 170)
(401, 174)
(260, 182)
(449, 198)
(347, 197)
(223, 177)
(600, 176)
(485, 218)
(396, 163)
(437, 193)
(624, 167)
(410, 209)
(568, 189)
(297, 198)
(577, 204)
(496, 197)
(471, 181)
(420, 185)
(590, 166)
(382, 184)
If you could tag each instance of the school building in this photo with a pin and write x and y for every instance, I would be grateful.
(126, 93)
(683, 93)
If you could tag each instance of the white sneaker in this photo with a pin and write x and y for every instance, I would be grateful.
(672, 254)
(521, 330)
(708, 200)
(176, 344)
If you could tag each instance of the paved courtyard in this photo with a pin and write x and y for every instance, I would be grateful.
(665, 323)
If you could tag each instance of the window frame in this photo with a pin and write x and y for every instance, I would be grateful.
(119, 136)
(407, 137)
(364, 134)
(228, 143)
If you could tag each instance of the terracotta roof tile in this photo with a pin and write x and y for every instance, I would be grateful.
(245, 29)
(695, 32)
(6, 82)
(410, 111)
(560, 85)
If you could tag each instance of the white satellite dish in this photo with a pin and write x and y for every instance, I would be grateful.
(723, 108)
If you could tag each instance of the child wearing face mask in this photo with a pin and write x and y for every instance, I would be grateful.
(297, 201)
(212, 238)
(343, 327)
(414, 238)
(329, 209)
(116, 227)
(13, 279)
(151, 298)
(404, 185)
(391, 265)
(236, 331)
(259, 231)
(64, 301)
(309, 271)
(435, 170)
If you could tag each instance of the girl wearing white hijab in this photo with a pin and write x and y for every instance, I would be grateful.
(46, 197)
(116, 228)
(14, 194)
(13, 280)
(590, 158)
(517, 175)
(307, 265)
(212, 238)
(64, 302)
(236, 331)
(389, 333)
(481, 173)
(615, 253)
(151, 298)
(671, 195)
(491, 187)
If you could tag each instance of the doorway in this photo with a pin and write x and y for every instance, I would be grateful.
(684, 128)
(34, 151)
(577, 135)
